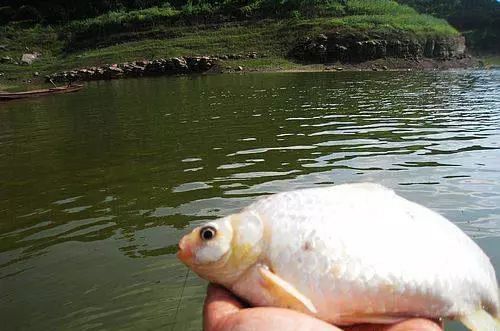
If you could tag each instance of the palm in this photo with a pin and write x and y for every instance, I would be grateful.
(224, 312)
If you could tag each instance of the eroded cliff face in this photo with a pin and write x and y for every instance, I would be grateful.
(357, 47)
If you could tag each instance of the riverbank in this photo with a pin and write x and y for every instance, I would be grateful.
(285, 38)
(385, 64)
(358, 37)
(250, 63)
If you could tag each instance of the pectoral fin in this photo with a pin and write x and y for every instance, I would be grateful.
(284, 293)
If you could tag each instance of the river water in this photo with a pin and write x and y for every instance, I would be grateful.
(97, 187)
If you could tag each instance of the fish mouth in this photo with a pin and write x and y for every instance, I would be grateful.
(185, 252)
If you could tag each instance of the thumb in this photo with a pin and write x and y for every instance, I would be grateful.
(219, 304)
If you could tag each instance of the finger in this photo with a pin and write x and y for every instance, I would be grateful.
(219, 304)
(273, 319)
(414, 324)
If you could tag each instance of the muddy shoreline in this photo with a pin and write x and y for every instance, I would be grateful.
(237, 64)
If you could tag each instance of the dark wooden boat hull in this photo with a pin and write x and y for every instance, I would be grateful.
(5, 96)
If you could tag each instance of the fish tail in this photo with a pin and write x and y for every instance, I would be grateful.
(480, 320)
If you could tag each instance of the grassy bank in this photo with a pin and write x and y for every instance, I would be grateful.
(166, 32)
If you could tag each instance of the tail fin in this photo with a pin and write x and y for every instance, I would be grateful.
(480, 320)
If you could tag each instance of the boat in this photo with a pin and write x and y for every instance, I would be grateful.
(4, 96)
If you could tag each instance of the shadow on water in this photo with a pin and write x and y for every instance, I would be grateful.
(97, 187)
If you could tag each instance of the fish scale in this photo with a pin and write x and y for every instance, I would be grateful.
(353, 253)
(402, 244)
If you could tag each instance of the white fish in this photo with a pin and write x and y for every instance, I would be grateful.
(348, 254)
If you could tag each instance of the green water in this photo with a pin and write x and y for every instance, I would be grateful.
(97, 187)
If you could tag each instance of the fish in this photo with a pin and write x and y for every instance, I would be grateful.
(348, 254)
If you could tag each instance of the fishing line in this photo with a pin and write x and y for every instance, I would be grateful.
(180, 299)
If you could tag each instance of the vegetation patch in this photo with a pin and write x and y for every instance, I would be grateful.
(68, 38)
(419, 25)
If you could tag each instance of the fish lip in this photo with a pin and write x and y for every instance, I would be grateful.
(185, 252)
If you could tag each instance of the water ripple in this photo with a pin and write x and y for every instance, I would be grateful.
(97, 187)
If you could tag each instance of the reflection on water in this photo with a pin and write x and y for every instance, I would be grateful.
(97, 187)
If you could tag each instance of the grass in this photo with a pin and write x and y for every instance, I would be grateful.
(116, 22)
(378, 7)
(358, 14)
(268, 37)
(419, 25)
(165, 32)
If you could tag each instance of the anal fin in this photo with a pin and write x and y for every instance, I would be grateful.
(285, 294)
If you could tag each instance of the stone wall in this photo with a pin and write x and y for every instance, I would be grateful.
(351, 47)
(172, 66)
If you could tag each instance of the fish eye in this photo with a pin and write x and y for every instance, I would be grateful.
(208, 233)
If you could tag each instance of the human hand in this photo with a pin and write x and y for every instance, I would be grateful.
(224, 312)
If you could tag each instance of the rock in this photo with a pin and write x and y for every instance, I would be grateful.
(155, 67)
(380, 49)
(385, 68)
(85, 74)
(6, 59)
(460, 47)
(358, 47)
(322, 38)
(394, 48)
(194, 63)
(310, 50)
(429, 48)
(252, 55)
(3, 47)
(440, 49)
(224, 57)
(111, 72)
(180, 65)
(28, 58)
(456, 47)
(205, 63)
(2, 74)
(138, 68)
(36, 74)
(337, 53)
(239, 68)
(142, 63)
(367, 50)
(415, 49)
